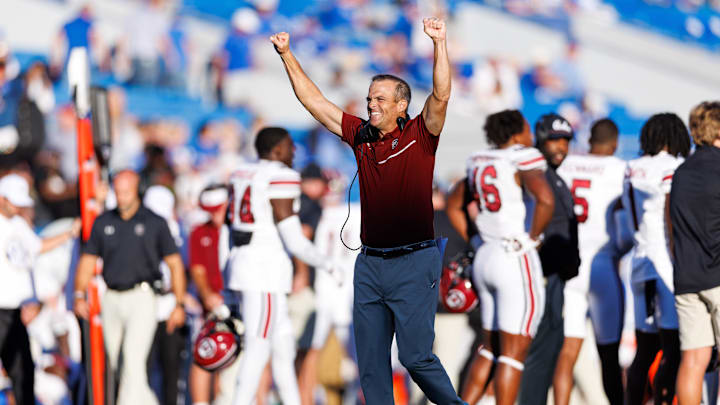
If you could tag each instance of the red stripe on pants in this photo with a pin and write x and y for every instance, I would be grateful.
(532, 295)
(267, 320)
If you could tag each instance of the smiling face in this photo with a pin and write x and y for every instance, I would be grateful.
(383, 108)
(555, 150)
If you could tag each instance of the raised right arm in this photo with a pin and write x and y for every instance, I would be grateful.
(305, 90)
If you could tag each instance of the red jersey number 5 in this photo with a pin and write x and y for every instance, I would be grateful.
(581, 204)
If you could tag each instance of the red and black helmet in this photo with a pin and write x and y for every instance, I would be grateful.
(219, 343)
(456, 290)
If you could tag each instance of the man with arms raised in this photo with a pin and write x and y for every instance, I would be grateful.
(396, 273)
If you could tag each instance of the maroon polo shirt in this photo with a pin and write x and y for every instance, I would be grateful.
(396, 176)
(205, 251)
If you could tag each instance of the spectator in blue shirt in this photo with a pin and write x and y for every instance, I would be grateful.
(235, 58)
(19, 139)
(78, 32)
(176, 59)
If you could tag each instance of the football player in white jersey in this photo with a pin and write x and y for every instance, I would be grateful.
(664, 141)
(264, 197)
(596, 182)
(507, 270)
(333, 304)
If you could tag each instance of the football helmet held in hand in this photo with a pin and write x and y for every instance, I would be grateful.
(219, 343)
(456, 290)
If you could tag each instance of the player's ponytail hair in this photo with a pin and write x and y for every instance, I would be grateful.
(664, 130)
(501, 126)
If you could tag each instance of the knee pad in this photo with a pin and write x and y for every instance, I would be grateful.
(511, 362)
(482, 351)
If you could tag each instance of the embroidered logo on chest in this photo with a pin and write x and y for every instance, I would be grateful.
(139, 229)
(394, 143)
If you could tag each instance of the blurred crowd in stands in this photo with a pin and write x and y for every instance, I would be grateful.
(197, 111)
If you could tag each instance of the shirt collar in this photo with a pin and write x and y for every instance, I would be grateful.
(139, 214)
(395, 133)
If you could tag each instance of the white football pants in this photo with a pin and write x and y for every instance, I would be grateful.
(268, 333)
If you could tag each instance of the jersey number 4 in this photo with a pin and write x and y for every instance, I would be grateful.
(581, 204)
(490, 193)
(244, 211)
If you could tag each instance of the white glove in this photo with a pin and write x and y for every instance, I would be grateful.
(520, 245)
(335, 271)
(222, 312)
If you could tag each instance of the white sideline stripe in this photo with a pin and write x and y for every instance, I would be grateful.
(395, 154)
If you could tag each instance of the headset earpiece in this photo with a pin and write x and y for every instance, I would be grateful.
(401, 121)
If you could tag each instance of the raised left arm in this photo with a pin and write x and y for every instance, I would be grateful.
(435, 107)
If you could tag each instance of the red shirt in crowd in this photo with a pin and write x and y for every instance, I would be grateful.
(396, 175)
(205, 251)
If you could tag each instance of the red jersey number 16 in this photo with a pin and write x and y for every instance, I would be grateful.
(490, 193)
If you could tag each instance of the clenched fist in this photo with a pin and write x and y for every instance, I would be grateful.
(281, 40)
(434, 28)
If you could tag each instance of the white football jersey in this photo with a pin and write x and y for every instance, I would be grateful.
(19, 246)
(647, 181)
(492, 182)
(596, 183)
(263, 264)
(327, 241)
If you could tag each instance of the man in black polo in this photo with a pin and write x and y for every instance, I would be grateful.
(695, 218)
(560, 261)
(132, 241)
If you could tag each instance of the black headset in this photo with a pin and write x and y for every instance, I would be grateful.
(369, 134)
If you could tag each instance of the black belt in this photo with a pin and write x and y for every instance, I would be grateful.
(390, 253)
